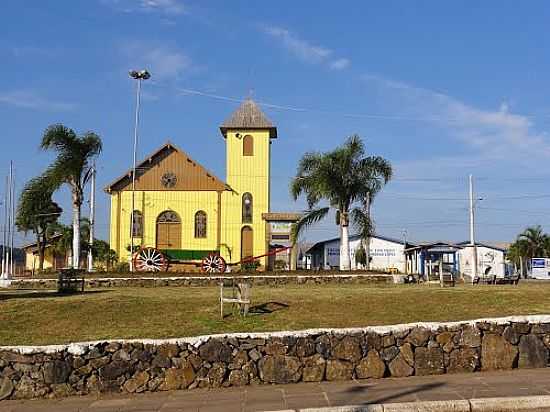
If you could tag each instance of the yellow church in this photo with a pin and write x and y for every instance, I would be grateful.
(184, 216)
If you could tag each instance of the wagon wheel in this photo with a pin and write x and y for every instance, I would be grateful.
(213, 263)
(149, 259)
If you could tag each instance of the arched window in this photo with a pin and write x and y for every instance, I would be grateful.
(248, 145)
(247, 208)
(168, 217)
(137, 224)
(200, 224)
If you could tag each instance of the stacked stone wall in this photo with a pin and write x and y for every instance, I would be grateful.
(274, 358)
(176, 281)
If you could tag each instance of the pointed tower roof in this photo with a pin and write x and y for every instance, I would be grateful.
(248, 116)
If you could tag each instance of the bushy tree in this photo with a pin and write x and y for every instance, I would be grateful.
(531, 243)
(104, 254)
(38, 213)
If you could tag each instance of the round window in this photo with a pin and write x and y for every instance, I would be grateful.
(169, 180)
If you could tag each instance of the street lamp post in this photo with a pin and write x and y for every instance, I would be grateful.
(139, 76)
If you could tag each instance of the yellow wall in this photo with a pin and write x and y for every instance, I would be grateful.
(246, 174)
(32, 260)
(151, 204)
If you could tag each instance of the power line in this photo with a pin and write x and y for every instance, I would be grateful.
(195, 92)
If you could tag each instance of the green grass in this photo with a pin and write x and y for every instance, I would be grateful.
(28, 317)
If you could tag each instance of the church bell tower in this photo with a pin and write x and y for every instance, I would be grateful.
(248, 134)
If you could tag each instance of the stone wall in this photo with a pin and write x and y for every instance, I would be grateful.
(258, 280)
(282, 357)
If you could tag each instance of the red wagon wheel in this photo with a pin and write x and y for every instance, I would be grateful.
(213, 263)
(149, 259)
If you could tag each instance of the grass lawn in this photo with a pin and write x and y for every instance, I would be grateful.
(33, 317)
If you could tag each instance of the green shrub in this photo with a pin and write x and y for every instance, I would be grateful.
(250, 266)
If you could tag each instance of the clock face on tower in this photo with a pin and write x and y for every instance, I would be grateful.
(169, 180)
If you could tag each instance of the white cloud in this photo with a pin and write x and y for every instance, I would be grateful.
(170, 7)
(305, 50)
(29, 100)
(165, 6)
(492, 133)
(340, 64)
(163, 62)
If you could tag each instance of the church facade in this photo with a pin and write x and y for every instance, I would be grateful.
(183, 210)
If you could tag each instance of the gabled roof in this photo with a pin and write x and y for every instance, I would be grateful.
(438, 244)
(146, 164)
(35, 245)
(356, 237)
(248, 116)
(502, 246)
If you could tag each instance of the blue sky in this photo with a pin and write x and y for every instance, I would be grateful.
(441, 89)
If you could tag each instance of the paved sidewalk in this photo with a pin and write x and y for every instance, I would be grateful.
(305, 395)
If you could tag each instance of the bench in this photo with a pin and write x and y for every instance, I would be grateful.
(487, 280)
(513, 280)
(70, 280)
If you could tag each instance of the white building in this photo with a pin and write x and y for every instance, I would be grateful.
(491, 259)
(423, 258)
(386, 253)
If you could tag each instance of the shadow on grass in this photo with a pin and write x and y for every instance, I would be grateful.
(32, 294)
(358, 390)
(262, 309)
(268, 307)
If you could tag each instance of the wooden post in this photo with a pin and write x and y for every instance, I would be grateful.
(244, 297)
(221, 300)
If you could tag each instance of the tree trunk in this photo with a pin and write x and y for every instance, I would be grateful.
(521, 265)
(345, 262)
(367, 240)
(76, 230)
(41, 252)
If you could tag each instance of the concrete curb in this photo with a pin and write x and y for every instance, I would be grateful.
(507, 404)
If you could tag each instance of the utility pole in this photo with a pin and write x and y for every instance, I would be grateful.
(404, 251)
(12, 240)
(4, 229)
(92, 221)
(139, 76)
(472, 232)
(8, 223)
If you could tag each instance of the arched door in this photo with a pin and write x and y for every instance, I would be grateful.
(247, 242)
(168, 230)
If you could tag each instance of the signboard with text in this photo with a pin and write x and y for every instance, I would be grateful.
(540, 268)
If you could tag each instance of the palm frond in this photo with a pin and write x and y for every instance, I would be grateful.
(362, 222)
(311, 217)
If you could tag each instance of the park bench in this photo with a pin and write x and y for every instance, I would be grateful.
(510, 280)
(448, 279)
(70, 280)
(487, 280)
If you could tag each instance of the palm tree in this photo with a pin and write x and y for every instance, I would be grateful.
(344, 178)
(535, 241)
(517, 254)
(72, 167)
(64, 242)
(380, 173)
(38, 213)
